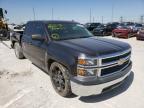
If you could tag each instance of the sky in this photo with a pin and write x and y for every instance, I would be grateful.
(20, 11)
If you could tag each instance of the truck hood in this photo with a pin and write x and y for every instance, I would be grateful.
(94, 46)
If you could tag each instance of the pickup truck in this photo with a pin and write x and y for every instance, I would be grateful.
(76, 61)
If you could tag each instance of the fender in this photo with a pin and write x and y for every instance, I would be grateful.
(64, 58)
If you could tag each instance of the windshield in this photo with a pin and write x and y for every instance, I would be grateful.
(101, 26)
(61, 31)
(138, 25)
(122, 26)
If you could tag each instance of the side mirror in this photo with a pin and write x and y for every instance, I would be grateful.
(37, 37)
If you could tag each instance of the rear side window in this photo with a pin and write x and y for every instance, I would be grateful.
(29, 29)
(39, 29)
(33, 28)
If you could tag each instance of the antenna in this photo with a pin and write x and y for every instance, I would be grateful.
(141, 19)
(121, 19)
(52, 14)
(102, 19)
(33, 13)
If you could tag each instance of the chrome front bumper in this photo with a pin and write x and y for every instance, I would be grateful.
(84, 90)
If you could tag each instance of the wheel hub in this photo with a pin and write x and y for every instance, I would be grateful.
(58, 79)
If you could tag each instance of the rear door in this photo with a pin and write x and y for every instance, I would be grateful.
(34, 49)
(27, 40)
(39, 47)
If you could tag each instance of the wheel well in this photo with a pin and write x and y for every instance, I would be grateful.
(50, 61)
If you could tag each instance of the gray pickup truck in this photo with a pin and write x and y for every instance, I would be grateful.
(76, 61)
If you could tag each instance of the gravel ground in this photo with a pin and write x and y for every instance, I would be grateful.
(22, 85)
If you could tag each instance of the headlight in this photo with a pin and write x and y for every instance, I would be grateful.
(86, 72)
(84, 61)
(138, 32)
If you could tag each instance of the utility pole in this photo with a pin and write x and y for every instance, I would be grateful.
(93, 19)
(102, 19)
(112, 13)
(90, 15)
(33, 13)
(121, 19)
(52, 14)
(142, 19)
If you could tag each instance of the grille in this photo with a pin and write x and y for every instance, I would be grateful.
(116, 58)
(113, 69)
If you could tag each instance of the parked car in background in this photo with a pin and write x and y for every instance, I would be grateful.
(123, 32)
(113, 25)
(102, 30)
(140, 34)
(106, 29)
(137, 27)
(91, 26)
(19, 28)
(128, 24)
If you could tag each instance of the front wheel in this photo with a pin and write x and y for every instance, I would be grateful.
(18, 51)
(60, 79)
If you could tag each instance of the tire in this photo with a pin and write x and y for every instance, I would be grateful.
(60, 79)
(113, 35)
(104, 34)
(18, 51)
(6, 34)
(128, 36)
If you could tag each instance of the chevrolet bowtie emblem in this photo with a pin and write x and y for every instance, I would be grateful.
(121, 61)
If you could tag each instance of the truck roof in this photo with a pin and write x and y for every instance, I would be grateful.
(53, 21)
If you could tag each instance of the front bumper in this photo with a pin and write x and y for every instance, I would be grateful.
(100, 85)
(121, 34)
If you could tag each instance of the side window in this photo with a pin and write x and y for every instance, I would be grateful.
(39, 29)
(29, 29)
(34, 28)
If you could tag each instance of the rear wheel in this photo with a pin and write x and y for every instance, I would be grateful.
(18, 51)
(60, 79)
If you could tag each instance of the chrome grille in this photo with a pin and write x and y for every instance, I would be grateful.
(116, 58)
(111, 64)
(114, 69)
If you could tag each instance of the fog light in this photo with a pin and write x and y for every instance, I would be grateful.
(81, 72)
(86, 72)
